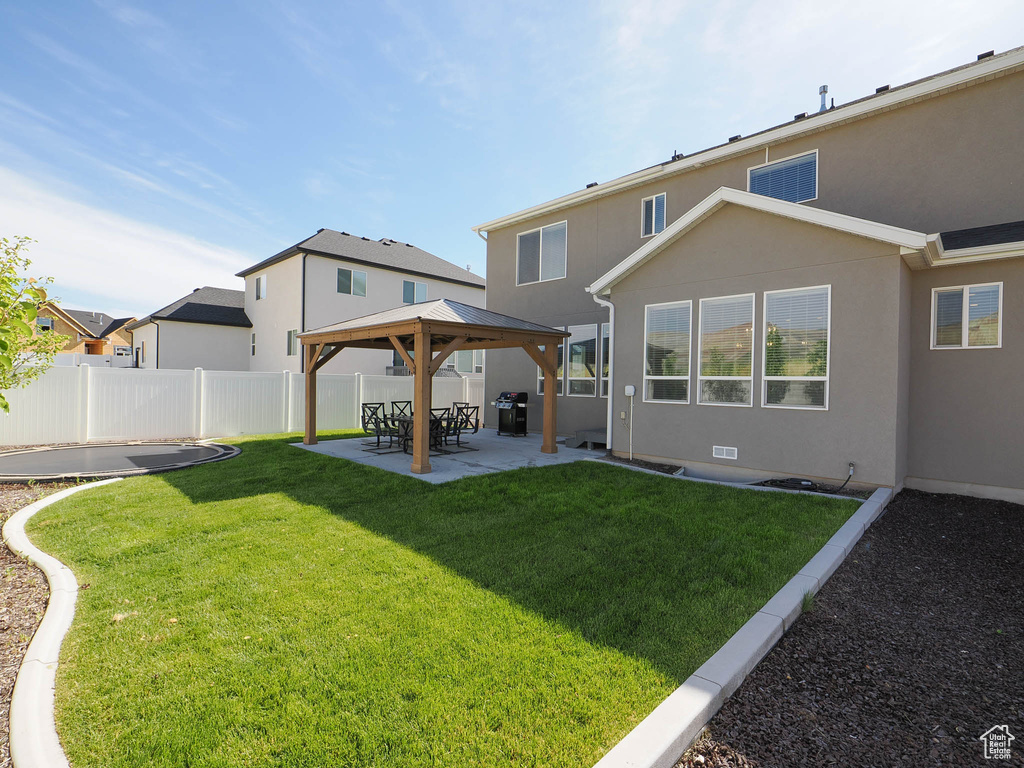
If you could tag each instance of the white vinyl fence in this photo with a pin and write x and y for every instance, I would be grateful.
(83, 404)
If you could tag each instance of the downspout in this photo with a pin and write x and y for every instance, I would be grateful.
(611, 368)
(157, 355)
(302, 312)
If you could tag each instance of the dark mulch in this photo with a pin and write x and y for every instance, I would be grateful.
(23, 602)
(915, 647)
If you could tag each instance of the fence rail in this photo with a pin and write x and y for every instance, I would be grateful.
(87, 404)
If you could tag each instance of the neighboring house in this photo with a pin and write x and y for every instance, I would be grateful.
(845, 288)
(207, 329)
(334, 276)
(89, 333)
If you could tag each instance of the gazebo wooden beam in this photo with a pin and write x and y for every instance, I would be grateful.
(445, 353)
(537, 355)
(324, 359)
(421, 407)
(548, 444)
(400, 348)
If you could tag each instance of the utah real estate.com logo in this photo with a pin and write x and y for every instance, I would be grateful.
(997, 742)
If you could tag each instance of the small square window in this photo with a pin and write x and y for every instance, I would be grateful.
(351, 281)
(413, 292)
(44, 323)
(967, 317)
(541, 254)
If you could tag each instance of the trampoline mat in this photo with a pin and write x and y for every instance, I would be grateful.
(110, 460)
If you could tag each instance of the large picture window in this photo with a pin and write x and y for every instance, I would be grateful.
(583, 360)
(794, 178)
(558, 376)
(967, 316)
(540, 254)
(606, 355)
(667, 352)
(726, 350)
(796, 347)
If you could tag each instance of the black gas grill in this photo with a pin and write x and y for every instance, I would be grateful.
(511, 413)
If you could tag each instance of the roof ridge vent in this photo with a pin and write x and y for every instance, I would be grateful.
(366, 239)
(882, 89)
(591, 184)
(346, 234)
(801, 116)
(986, 54)
(737, 137)
(409, 245)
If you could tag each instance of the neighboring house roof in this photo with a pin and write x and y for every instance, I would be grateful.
(207, 305)
(443, 310)
(98, 325)
(985, 68)
(384, 253)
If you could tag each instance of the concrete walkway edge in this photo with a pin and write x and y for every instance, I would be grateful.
(33, 738)
(665, 734)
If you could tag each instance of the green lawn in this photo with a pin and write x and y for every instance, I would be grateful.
(287, 608)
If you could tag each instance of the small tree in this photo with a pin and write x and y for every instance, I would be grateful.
(24, 355)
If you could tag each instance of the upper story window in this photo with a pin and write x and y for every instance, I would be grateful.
(413, 292)
(292, 342)
(794, 179)
(667, 352)
(726, 350)
(653, 215)
(540, 254)
(351, 281)
(796, 348)
(44, 323)
(967, 316)
(261, 287)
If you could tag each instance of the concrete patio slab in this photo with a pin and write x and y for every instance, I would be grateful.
(495, 454)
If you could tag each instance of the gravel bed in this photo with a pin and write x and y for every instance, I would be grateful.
(914, 649)
(24, 600)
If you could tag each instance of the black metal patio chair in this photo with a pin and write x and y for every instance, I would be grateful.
(401, 407)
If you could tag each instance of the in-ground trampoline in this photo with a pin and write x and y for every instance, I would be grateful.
(80, 462)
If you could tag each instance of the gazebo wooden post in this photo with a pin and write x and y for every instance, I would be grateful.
(548, 444)
(421, 404)
(311, 353)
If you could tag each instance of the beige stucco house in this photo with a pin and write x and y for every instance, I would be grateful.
(332, 277)
(843, 289)
(88, 333)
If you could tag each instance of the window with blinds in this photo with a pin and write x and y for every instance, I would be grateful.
(582, 361)
(726, 350)
(794, 179)
(606, 354)
(796, 347)
(540, 254)
(967, 316)
(559, 374)
(653, 215)
(667, 352)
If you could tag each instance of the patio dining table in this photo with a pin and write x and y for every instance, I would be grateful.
(403, 424)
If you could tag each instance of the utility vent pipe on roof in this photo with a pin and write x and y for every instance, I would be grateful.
(986, 54)
(823, 92)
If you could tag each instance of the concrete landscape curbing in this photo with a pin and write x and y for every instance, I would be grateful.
(33, 738)
(665, 734)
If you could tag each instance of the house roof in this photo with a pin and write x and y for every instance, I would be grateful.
(985, 68)
(904, 238)
(96, 324)
(384, 253)
(208, 305)
(977, 237)
(442, 310)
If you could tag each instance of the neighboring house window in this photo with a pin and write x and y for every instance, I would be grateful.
(796, 347)
(606, 363)
(794, 179)
(469, 361)
(143, 356)
(667, 352)
(351, 281)
(726, 348)
(413, 292)
(120, 351)
(558, 375)
(583, 360)
(478, 361)
(261, 287)
(540, 254)
(293, 342)
(253, 345)
(44, 323)
(653, 215)
(967, 316)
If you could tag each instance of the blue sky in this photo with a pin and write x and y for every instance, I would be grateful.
(152, 148)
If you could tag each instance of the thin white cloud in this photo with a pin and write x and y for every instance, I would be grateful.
(100, 256)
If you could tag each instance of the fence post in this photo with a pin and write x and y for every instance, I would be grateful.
(286, 397)
(357, 418)
(197, 415)
(83, 403)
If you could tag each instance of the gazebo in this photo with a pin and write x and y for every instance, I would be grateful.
(425, 335)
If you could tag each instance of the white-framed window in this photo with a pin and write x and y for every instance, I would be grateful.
(725, 357)
(44, 323)
(583, 360)
(467, 361)
(478, 361)
(122, 351)
(606, 357)
(413, 292)
(652, 215)
(253, 340)
(351, 281)
(967, 316)
(540, 254)
(667, 352)
(261, 287)
(292, 342)
(558, 376)
(797, 341)
(792, 178)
